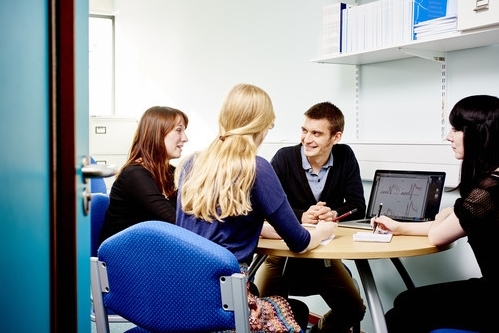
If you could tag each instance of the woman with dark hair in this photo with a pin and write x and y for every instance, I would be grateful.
(144, 188)
(468, 304)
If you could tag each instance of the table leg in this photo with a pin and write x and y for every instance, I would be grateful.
(257, 262)
(409, 284)
(373, 300)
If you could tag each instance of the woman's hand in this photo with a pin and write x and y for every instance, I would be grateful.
(385, 224)
(388, 225)
(322, 231)
(326, 228)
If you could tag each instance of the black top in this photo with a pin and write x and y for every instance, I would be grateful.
(478, 214)
(135, 198)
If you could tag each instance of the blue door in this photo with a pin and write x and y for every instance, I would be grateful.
(44, 234)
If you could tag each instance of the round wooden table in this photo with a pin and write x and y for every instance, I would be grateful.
(343, 247)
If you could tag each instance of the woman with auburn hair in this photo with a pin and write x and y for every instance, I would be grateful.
(144, 188)
(226, 192)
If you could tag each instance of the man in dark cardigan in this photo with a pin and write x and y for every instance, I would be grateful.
(321, 179)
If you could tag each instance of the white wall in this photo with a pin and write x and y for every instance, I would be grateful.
(188, 53)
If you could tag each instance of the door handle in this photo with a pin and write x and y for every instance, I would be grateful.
(98, 171)
(89, 170)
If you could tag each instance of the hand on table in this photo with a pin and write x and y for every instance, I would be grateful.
(318, 212)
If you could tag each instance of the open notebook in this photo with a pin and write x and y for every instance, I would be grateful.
(411, 196)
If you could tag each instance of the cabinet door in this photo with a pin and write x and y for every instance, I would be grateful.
(111, 135)
(477, 14)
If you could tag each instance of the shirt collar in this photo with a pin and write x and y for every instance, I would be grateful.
(306, 164)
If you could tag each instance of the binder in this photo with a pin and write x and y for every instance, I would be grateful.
(425, 10)
(332, 28)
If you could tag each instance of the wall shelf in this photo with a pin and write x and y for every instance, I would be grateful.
(439, 44)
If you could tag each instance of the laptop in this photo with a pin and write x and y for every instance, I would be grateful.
(407, 196)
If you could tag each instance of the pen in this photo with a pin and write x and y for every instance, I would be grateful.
(350, 212)
(377, 215)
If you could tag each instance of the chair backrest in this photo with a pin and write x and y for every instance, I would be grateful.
(98, 206)
(164, 278)
(97, 185)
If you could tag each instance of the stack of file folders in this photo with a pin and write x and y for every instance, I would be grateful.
(435, 27)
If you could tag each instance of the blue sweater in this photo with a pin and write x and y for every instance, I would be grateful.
(240, 234)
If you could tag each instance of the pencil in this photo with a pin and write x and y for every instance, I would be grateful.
(377, 215)
(350, 212)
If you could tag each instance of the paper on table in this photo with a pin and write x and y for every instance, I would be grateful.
(312, 226)
(327, 240)
(370, 237)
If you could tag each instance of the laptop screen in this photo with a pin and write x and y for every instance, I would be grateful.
(407, 195)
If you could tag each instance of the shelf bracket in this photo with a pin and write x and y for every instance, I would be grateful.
(430, 55)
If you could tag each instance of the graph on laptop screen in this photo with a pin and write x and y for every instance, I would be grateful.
(407, 196)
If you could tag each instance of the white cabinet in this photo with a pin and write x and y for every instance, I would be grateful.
(110, 139)
(476, 14)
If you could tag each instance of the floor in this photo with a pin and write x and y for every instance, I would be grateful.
(121, 327)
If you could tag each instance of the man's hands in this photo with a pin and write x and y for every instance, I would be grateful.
(318, 212)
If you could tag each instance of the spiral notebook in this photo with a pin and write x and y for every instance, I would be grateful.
(409, 196)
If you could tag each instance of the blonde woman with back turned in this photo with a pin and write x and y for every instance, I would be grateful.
(226, 192)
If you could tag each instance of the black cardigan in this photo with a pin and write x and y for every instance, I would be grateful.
(342, 192)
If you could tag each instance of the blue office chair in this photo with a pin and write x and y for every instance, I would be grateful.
(97, 185)
(164, 278)
(98, 206)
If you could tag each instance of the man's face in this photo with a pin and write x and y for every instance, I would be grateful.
(316, 137)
